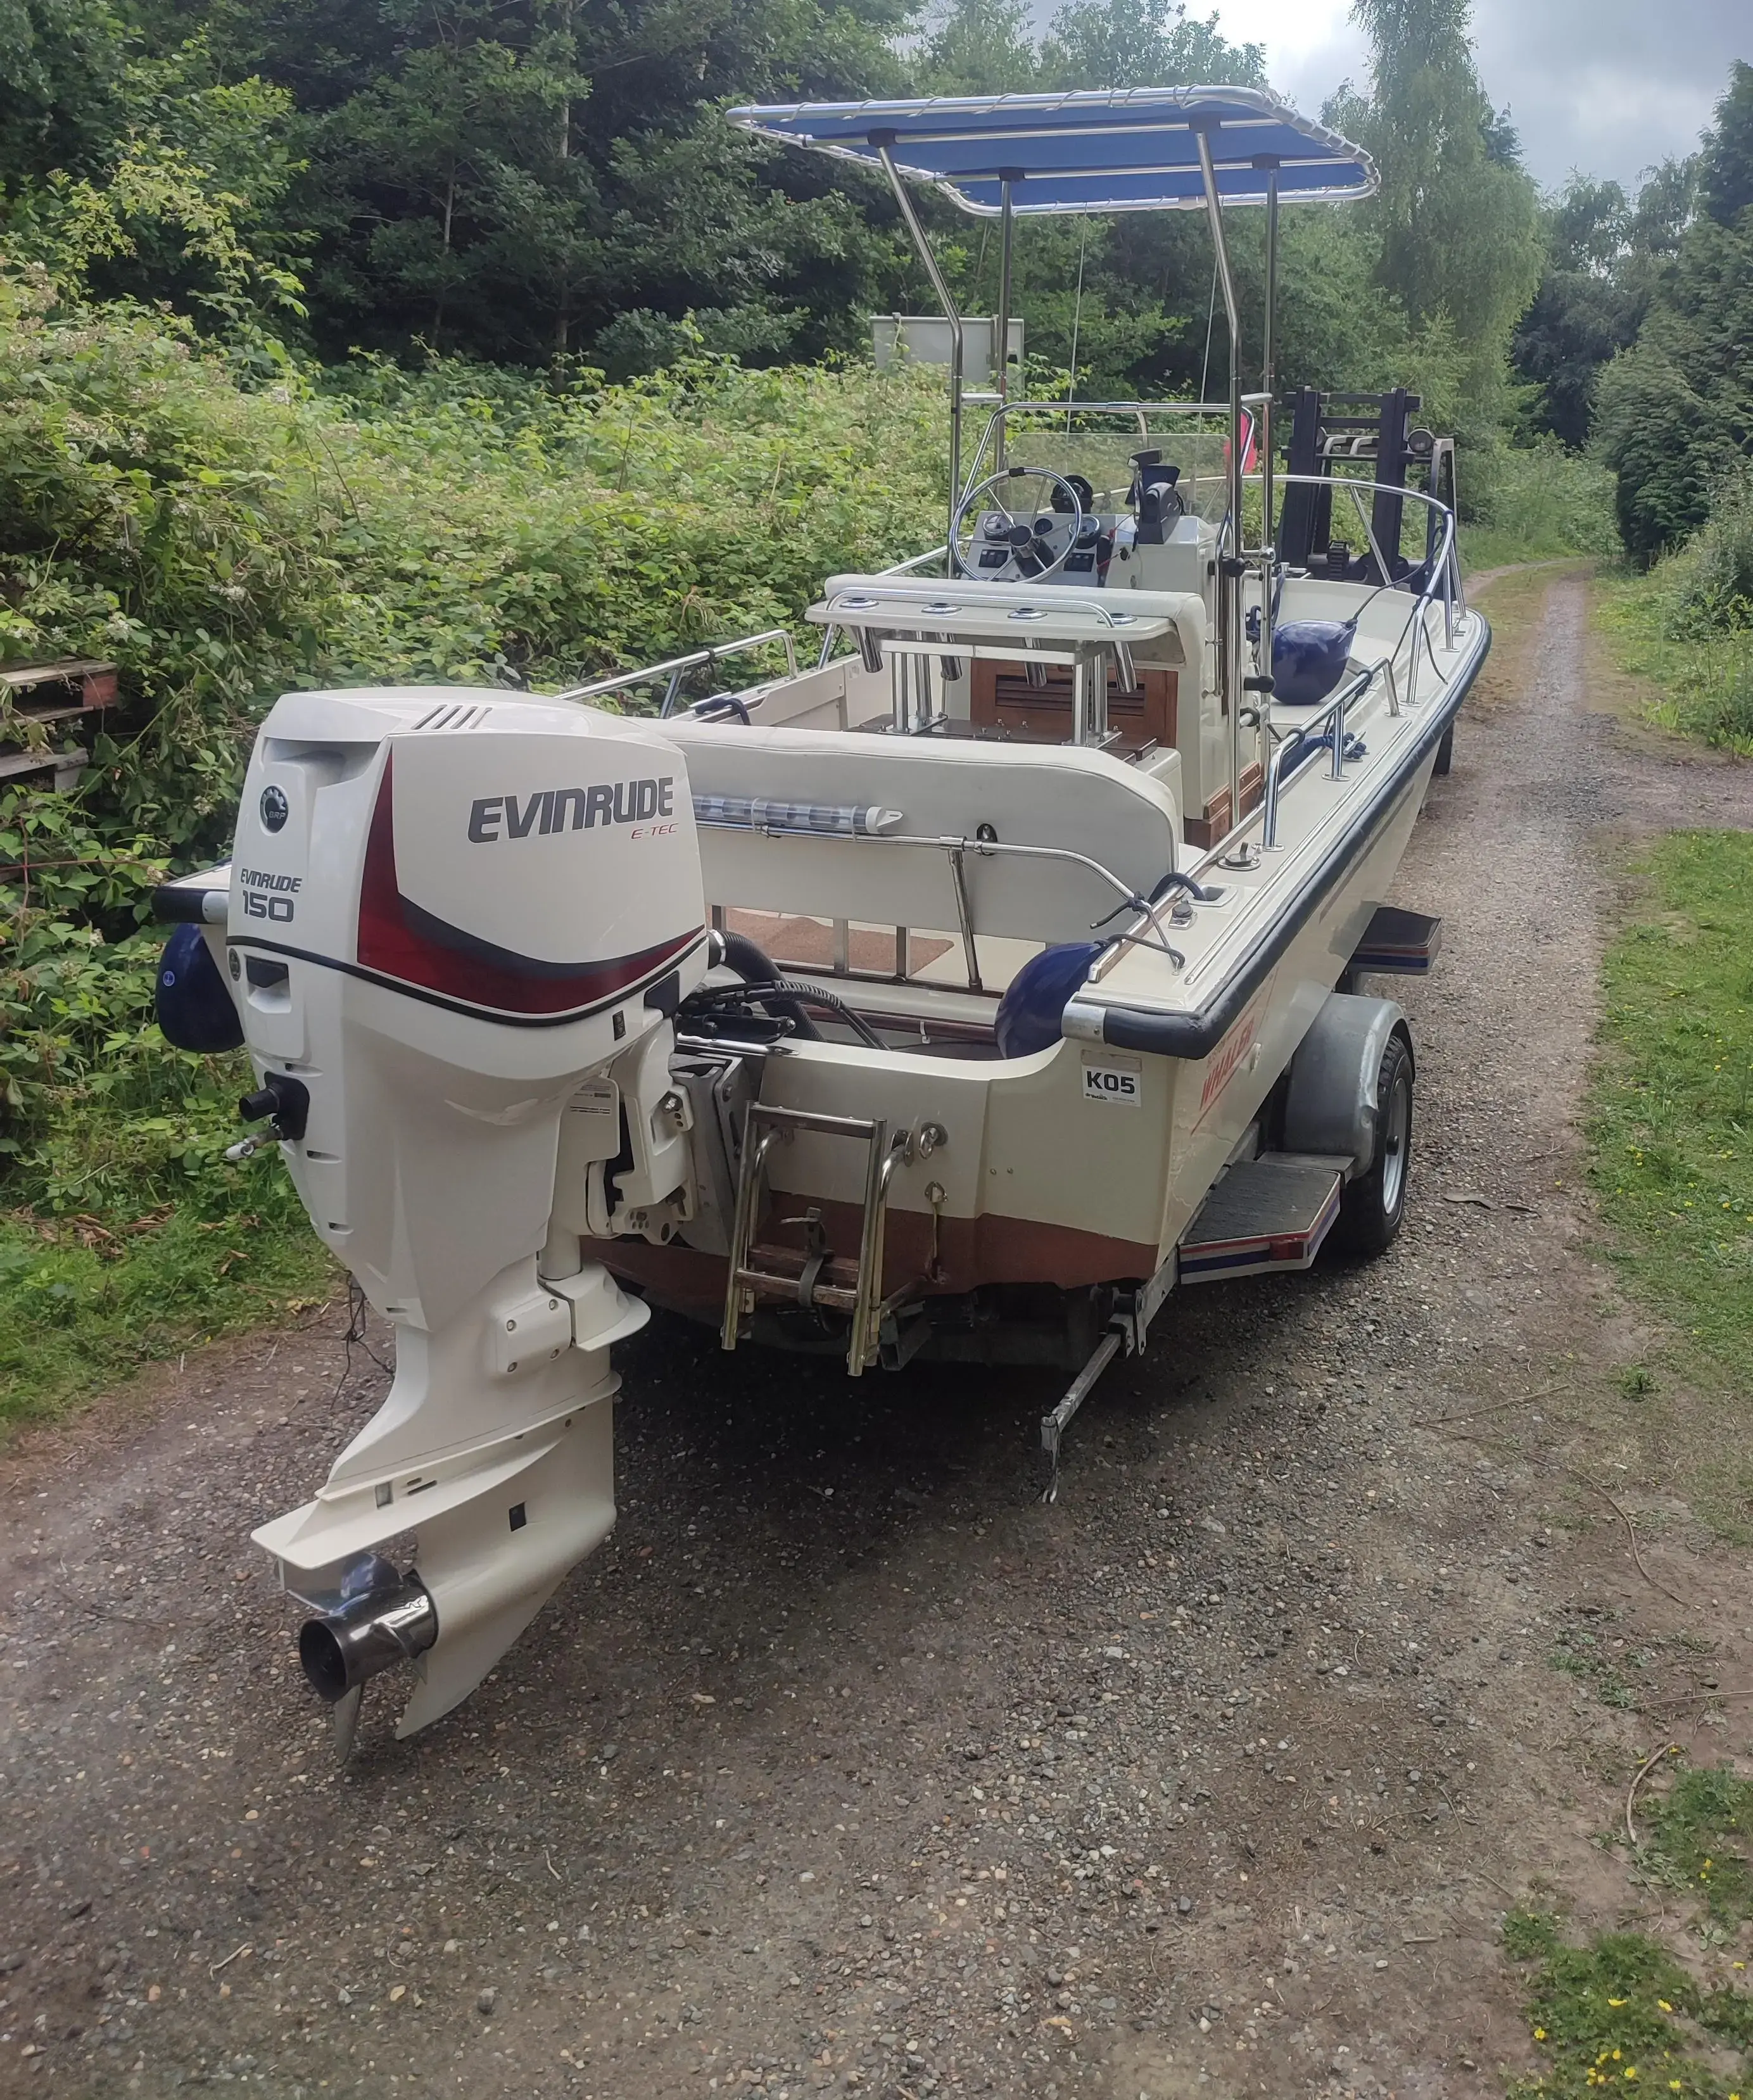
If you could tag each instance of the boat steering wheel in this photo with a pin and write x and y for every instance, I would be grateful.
(1019, 534)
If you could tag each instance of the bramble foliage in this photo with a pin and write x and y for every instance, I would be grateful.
(1710, 582)
(1530, 503)
(224, 545)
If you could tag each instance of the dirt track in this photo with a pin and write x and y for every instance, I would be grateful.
(848, 1763)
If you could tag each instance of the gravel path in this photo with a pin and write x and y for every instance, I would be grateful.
(848, 1765)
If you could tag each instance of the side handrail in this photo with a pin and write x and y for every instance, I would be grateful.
(1332, 711)
(675, 669)
(959, 847)
(1444, 576)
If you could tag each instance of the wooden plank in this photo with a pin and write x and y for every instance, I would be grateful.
(69, 713)
(16, 765)
(1145, 714)
(22, 677)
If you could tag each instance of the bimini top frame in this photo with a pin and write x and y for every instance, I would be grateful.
(1109, 150)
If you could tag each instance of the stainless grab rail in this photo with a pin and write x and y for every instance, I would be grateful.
(872, 597)
(1334, 710)
(831, 634)
(958, 847)
(674, 668)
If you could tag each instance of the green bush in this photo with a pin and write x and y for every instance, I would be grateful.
(224, 540)
(1709, 584)
(1651, 431)
(1532, 503)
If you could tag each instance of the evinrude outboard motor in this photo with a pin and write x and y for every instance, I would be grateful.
(459, 922)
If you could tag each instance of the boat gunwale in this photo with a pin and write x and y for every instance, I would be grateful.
(1194, 1036)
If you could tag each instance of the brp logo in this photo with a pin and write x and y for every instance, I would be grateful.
(274, 809)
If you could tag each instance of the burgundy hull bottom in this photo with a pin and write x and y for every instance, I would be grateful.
(971, 1252)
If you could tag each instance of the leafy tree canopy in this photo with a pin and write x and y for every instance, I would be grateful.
(1673, 411)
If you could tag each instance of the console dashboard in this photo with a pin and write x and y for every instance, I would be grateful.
(998, 557)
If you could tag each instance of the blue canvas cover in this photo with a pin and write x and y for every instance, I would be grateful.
(1123, 149)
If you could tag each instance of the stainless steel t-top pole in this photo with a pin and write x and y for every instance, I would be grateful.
(910, 219)
(1268, 377)
(1229, 577)
(1267, 533)
(1001, 348)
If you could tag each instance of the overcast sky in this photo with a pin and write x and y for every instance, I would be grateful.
(1609, 86)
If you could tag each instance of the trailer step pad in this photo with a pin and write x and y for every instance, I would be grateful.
(1267, 1214)
(1399, 943)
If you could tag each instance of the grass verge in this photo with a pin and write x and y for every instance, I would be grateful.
(1694, 680)
(1623, 2012)
(86, 1300)
(1668, 1119)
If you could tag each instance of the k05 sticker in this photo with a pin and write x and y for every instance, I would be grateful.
(1117, 1082)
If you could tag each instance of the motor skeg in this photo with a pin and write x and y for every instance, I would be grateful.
(449, 910)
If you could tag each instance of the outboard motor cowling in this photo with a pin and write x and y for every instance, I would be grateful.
(452, 914)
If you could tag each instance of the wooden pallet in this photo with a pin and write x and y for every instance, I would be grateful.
(73, 689)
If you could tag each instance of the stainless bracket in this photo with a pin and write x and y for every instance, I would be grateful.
(1127, 1328)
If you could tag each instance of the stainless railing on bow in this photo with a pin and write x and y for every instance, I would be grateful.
(1443, 579)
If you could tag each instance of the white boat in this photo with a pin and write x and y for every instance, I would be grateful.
(958, 994)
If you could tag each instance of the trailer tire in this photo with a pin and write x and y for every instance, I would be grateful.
(1445, 750)
(1373, 1205)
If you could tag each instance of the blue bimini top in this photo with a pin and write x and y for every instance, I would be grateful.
(1123, 149)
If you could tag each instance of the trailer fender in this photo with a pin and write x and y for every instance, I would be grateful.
(1330, 1107)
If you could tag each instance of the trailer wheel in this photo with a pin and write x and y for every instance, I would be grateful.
(1445, 750)
(1373, 1205)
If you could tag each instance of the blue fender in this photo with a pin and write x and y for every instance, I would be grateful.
(1308, 658)
(1028, 1015)
(194, 1002)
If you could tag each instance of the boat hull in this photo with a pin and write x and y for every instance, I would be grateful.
(1061, 1174)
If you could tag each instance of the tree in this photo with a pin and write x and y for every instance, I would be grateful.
(510, 177)
(1143, 44)
(1457, 216)
(1725, 188)
(1652, 433)
(1676, 410)
(1583, 313)
(61, 63)
(1605, 256)
(978, 48)
(182, 204)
